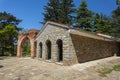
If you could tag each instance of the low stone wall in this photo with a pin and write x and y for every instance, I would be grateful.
(88, 49)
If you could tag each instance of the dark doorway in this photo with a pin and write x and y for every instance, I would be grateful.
(1, 51)
(60, 50)
(40, 46)
(48, 43)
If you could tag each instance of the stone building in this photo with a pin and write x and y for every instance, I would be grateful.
(62, 44)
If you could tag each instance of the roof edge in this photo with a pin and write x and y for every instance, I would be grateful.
(53, 23)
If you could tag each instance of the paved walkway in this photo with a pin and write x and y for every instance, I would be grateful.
(33, 69)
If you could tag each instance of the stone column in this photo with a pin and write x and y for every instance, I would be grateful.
(19, 51)
(54, 52)
(33, 53)
(44, 53)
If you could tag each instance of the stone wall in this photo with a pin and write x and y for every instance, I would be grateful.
(54, 33)
(88, 49)
(76, 48)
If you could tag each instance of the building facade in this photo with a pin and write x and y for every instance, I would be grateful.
(61, 44)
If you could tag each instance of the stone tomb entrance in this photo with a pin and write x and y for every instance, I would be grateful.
(48, 45)
(30, 35)
(60, 50)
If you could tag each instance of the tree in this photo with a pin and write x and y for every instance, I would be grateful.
(52, 11)
(84, 17)
(10, 33)
(7, 18)
(116, 19)
(8, 23)
(102, 24)
(67, 11)
(59, 11)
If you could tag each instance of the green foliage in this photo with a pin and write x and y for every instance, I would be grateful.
(59, 11)
(102, 24)
(84, 17)
(7, 18)
(26, 48)
(8, 31)
(52, 11)
(66, 12)
(63, 11)
(116, 21)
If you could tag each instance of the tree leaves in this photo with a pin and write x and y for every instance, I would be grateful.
(8, 30)
(59, 11)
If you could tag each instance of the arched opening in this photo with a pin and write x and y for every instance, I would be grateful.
(60, 50)
(25, 46)
(48, 44)
(40, 46)
(31, 36)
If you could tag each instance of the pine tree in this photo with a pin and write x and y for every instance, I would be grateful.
(67, 11)
(96, 21)
(116, 19)
(7, 18)
(59, 11)
(8, 24)
(102, 24)
(84, 17)
(52, 11)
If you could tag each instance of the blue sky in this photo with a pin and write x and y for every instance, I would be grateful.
(30, 11)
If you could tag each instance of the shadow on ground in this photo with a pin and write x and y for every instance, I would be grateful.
(1, 58)
(1, 66)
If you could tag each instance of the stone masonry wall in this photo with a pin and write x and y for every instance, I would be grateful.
(88, 49)
(53, 33)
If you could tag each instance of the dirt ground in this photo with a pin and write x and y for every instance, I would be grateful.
(13, 68)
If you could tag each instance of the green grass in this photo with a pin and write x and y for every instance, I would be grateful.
(104, 71)
(116, 68)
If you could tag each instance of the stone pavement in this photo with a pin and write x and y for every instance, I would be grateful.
(33, 69)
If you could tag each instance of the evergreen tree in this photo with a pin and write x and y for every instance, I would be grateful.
(7, 18)
(96, 21)
(67, 11)
(52, 11)
(84, 17)
(116, 19)
(59, 11)
(9, 33)
(8, 24)
(102, 24)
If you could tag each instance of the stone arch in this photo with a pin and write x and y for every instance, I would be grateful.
(60, 50)
(31, 35)
(48, 49)
(40, 48)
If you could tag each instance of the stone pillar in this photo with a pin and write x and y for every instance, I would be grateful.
(44, 56)
(19, 51)
(38, 51)
(19, 54)
(33, 52)
(54, 52)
